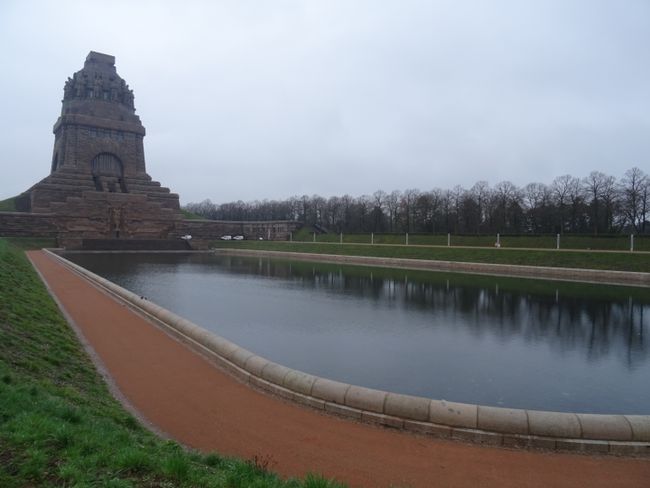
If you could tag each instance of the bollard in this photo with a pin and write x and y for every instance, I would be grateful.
(498, 240)
(557, 242)
(372, 238)
(448, 239)
(314, 236)
(407, 238)
(341, 238)
(631, 242)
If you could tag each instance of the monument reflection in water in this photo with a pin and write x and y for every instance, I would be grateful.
(487, 340)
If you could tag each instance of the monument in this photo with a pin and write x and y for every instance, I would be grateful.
(98, 189)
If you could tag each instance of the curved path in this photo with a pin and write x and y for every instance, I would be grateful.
(186, 397)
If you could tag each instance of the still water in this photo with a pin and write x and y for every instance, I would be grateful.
(488, 340)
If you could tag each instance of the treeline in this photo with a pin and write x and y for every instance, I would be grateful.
(596, 204)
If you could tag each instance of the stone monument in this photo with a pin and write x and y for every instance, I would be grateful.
(98, 187)
(98, 184)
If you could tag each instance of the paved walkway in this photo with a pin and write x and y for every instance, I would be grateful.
(188, 398)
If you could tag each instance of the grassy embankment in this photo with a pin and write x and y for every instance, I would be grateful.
(59, 425)
(189, 215)
(580, 242)
(622, 261)
(8, 205)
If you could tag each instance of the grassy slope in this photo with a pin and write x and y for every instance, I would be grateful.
(189, 215)
(575, 259)
(8, 205)
(58, 423)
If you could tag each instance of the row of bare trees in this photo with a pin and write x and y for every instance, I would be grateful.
(596, 204)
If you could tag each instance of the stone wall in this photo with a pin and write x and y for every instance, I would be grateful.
(19, 224)
(210, 230)
(205, 231)
(96, 215)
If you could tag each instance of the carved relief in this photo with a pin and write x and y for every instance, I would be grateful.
(116, 222)
(112, 89)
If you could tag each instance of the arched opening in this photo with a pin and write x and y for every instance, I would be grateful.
(108, 173)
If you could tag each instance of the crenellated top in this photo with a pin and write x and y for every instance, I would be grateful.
(98, 81)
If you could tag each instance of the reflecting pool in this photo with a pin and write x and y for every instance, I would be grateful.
(497, 341)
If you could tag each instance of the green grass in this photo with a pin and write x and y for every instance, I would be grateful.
(190, 216)
(59, 425)
(31, 242)
(584, 242)
(623, 261)
(8, 205)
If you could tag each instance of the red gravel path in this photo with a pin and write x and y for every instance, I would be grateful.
(194, 402)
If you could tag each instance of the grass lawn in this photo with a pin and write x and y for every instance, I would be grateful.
(584, 242)
(59, 425)
(623, 261)
(8, 205)
(189, 215)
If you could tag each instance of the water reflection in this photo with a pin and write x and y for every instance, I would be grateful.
(490, 340)
(597, 327)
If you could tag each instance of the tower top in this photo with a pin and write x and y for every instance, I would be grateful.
(96, 83)
(101, 59)
(98, 130)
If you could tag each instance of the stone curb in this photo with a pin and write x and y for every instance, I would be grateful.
(616, 434)
(630, 278)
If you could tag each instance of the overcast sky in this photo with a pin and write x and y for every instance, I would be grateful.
(267, 99)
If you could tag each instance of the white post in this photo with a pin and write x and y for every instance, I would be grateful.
(290, 236)
(372, 238)
(498, 240)
(407, 238)
(448, 239)
(341, 238)
(557, 241)
(631, 242)
(314, 236)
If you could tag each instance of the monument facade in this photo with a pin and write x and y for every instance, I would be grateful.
(98, 187)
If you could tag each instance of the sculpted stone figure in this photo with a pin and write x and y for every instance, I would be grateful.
(98, 85)
(128, 97)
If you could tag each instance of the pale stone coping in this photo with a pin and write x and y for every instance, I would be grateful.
(618, 434)
(629, 278)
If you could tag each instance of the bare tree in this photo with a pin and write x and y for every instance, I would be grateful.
(334, 215)
(576, 195)
(392, 204)
(408, 203)
(560, 188)
(507, 198)
(378, 201)
(537, 202)
(596, 187)
(634, 198)
(481, 194)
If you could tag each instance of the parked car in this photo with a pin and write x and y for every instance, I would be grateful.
(238, 238)
(226, 238)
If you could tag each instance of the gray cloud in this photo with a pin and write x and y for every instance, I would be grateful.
(251, 99)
